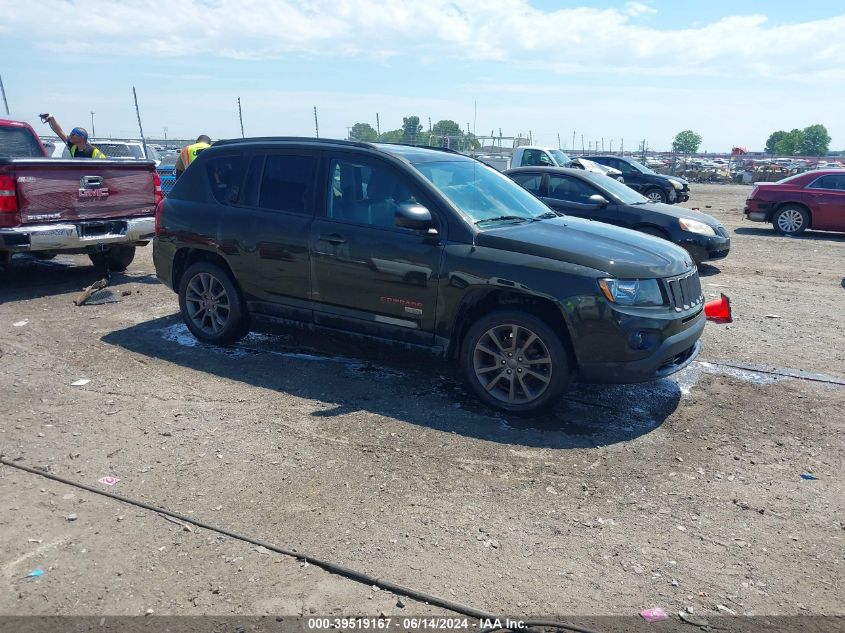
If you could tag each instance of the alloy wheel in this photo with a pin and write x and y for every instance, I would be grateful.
(655, 196)
(512, 363)
(790, 220)
(208, 303)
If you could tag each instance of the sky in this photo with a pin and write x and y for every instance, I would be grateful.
(626, 71)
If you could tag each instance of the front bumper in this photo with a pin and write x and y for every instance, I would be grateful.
(672, 355)
(82, 236)
(706, 247)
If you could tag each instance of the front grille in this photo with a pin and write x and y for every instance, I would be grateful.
(685, 291)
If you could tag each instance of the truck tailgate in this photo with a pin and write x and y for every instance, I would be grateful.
(70, 190)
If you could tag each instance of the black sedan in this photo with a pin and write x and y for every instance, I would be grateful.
(587, 195)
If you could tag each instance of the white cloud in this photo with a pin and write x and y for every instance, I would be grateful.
(499, 30)
(638, 8)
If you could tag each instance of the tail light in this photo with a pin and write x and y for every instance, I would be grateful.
(9, 214)
(157, 183)
(159, 208)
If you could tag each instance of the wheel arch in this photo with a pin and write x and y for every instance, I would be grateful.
(185, 257)
(479, 303)
(792, 203)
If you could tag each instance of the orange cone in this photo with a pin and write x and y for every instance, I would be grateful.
(718, 310)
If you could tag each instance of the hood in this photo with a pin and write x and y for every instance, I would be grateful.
(675, 211)
(616, 251)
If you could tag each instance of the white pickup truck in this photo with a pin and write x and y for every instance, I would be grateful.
(537, 156)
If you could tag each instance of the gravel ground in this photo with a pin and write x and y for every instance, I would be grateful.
(683, 492)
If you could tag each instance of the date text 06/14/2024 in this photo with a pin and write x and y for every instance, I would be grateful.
(412, 623)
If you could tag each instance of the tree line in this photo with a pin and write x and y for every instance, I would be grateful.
(444, 133)
(811, 141)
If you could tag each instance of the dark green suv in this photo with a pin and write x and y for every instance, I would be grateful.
(424, 247)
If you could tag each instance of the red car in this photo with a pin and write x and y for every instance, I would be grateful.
(812, 200)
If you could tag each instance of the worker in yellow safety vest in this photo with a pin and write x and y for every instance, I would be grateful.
(76, 141)
(189, 153)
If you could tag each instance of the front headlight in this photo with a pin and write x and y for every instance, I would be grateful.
(694, 226)
(632, 292)
(678, 185)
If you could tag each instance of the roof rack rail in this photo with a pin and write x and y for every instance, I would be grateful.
(262, 139)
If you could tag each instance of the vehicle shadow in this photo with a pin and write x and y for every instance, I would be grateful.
(350, 374)
(30, 278)
(807, 235)
(708, 270)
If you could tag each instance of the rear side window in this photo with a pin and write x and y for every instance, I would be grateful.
(18, 142)
(287, 183)
(225, 175)
(531, 182)
(831, 181)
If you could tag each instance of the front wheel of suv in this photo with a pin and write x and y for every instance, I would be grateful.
(515, 362)
(656, 195)
(211, 304)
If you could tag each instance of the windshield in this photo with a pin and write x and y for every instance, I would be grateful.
(622, 192)
(561, 158)
(480, 192)
(641, 167)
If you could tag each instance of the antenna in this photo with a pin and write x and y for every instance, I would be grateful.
(3, 90)
(140, 127)
(241, 117)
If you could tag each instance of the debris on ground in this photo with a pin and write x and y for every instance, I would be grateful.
(725, 609)
(86, 293)
(35, 573)
(655, 614)
(773, 316)
(20, 323)
(80, 383)
(71, 517)
(108, 480)
(809, 477)
(690, 618)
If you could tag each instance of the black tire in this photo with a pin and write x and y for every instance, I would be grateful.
(211, 304)
(791, 219)
(656, 195)
(117, 258)
(524, 356)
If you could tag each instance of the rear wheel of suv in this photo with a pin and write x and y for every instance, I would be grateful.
(515, 362)
(655, 195)
(791, 220)
(211, 304)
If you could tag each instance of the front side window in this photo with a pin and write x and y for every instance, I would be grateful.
(286, 183)
(366, 193)
(570, 189)
(225, 175)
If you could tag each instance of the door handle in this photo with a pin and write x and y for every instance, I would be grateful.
(334, 239)
(91, 181)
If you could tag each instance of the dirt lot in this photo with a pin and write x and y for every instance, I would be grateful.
(684, 492)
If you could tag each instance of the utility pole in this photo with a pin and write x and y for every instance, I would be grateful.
(582, 143)
(316, 124)
(558, 141)
(611, 146)
(241, 117)
(602, 145)
(93, 133)
(378, 127)
(3, 90)
(573, 140)
(165, 137)
(140, 127)
(622, 148)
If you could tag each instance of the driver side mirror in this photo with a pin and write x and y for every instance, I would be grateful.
(599, 200)
(413, 216)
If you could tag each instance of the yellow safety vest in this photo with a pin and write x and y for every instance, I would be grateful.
(190, 152)
(95, 153)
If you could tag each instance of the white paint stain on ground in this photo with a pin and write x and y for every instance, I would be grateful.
(687, 378)
(258, 343)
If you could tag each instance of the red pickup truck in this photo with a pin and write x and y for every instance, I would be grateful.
(812, 200)
(104, 208)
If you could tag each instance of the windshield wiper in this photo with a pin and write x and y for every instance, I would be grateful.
(503, 218)
(549, 214)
